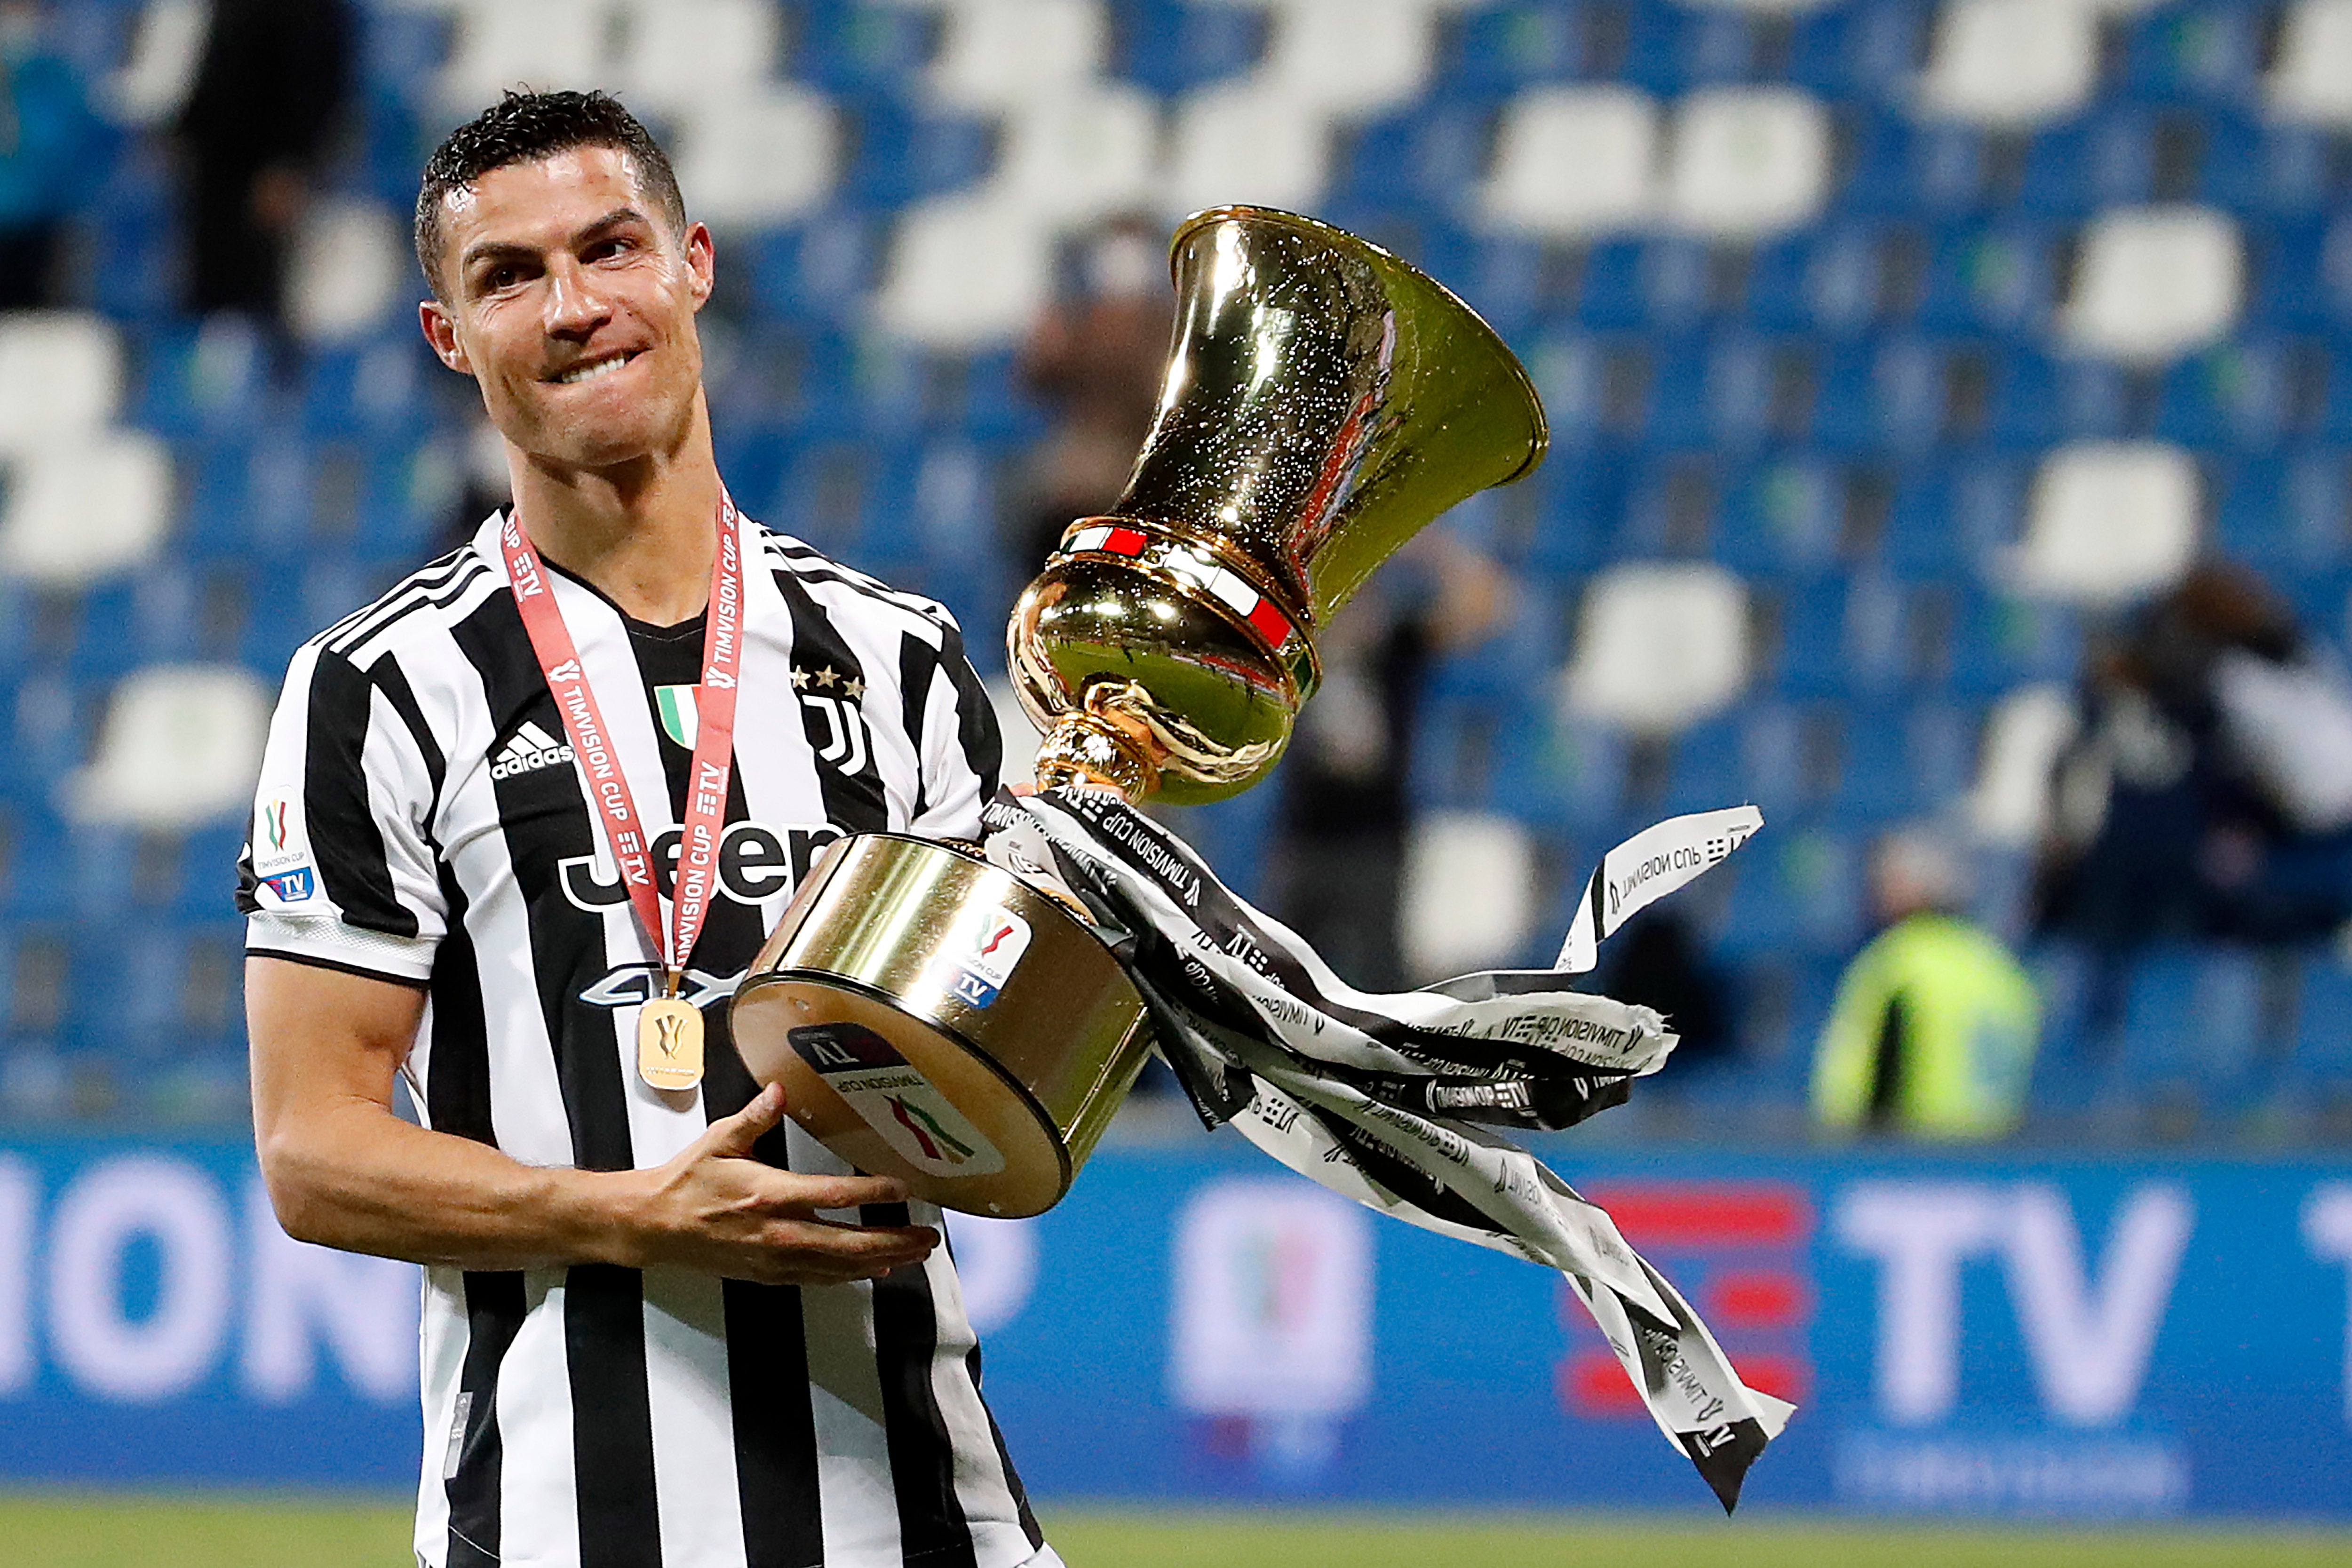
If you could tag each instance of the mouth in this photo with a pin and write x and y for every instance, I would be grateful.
(594, 369)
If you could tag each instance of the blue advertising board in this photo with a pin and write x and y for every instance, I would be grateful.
(2108, 1338)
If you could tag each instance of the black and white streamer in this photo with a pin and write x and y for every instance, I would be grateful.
(1389, 1099)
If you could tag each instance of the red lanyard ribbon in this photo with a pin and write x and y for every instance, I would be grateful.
(626, 829)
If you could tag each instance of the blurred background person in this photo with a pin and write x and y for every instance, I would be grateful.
(268, 99)
(50, 145)
(1093, 363)
(2208, 791)
(1933, 1030)
(1337, 865)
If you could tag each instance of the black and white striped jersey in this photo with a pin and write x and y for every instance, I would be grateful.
(420, 818)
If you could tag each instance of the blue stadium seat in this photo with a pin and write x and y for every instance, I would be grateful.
(1797, 889)
(1173, 47)
(2320, 1067)
(844, 45)
(1781, 518)
(1503, 48)
(2192, 1042)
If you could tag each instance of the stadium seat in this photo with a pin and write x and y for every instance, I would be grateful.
(1077, 157)
(964, 273)
(753, 158)
(2011, 63)
(180, 746)
(1468, 901)
(1659, 645)
(997, 56)
(2311, 81)
(1744, 162)
(83, 508)
(60, 379)
(1245, 141)
(1574, 161)
(1345, 57)
(2109, 522)
(680, 56)
(350, 271)
(2154, 283)
(167, 40)
(2192, 1036)
(500, 43)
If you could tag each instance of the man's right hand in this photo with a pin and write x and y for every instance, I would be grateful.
(717, 1209)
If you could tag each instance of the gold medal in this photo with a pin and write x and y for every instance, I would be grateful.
(669, 1043)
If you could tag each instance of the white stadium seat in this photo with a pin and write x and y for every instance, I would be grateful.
(1002, 54)
(1077, 157)
(2011, 62)
(1660, 645)
(2109, 522)
(677, 55)
(1350, 56)
(965, 274)
(2154, 283)
(2010, 807)
(2312, 82)
(1574, 161)
(523, 42)
(83, 508)
(758, 159)
(180, 745)
(352, 265)
(166, 47)
(60, 378)
(1468, 901)
(1748, 161)
(1244, 141)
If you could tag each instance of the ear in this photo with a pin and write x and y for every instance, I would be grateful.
(441, 331)
(701, 264)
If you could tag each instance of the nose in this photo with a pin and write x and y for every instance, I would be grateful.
(575, 307)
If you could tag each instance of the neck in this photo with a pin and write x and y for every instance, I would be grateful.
(643, 531)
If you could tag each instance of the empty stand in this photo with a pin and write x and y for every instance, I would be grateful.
(1894, 349)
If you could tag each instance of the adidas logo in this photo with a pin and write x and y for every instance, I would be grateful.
(529, 749)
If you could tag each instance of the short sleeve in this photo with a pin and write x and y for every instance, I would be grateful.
(954, 731)
(338, 868)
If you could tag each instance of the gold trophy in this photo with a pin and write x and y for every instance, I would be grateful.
(933, 1017)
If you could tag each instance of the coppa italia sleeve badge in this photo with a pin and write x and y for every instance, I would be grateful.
(992, 945)
(283, 872)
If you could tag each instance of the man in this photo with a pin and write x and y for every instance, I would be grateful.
(1933, 1030)
(657, 1328)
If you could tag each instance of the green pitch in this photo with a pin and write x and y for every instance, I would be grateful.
(114, 1532)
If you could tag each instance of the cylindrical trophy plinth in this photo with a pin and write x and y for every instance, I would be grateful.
(933, 1018)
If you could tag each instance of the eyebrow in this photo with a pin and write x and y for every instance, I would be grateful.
(498, 250)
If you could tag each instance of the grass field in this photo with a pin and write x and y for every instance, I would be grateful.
(51, 1531)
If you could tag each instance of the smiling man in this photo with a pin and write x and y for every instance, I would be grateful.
(521, 826)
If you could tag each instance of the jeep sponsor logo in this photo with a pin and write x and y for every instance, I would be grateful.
(756, 863)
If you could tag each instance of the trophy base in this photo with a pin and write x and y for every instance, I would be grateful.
(935, 1019)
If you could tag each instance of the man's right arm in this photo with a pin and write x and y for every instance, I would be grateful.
(344, 1171)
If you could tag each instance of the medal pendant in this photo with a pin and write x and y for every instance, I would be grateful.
(669, 1043)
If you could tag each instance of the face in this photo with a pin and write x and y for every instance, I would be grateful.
(572, 305)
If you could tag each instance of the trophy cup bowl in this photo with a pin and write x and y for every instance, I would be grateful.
(933, 1017)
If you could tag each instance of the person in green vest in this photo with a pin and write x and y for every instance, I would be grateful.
(1933, 1030)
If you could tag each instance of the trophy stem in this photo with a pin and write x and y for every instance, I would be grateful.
(1093, 751)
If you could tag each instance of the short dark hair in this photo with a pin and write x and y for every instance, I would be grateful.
(523, 128)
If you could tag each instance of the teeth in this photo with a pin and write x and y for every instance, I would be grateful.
(590, 371)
